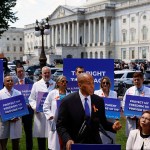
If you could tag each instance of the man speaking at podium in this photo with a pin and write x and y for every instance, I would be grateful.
(81, 114)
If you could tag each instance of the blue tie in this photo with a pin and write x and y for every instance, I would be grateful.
(86, 106)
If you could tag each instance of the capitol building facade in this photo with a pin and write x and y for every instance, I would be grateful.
(99, 29)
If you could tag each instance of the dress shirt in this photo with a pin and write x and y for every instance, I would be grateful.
(82, 97)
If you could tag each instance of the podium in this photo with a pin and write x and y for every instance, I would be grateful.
(95, 147)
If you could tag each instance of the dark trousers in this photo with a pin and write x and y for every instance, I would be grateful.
(27, 124)
(15, 144)
(41, 143)
(3, 144)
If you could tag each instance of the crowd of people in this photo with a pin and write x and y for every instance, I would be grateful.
(79, 116)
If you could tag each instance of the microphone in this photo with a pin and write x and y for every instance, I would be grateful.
(84, 126)
(102, 130)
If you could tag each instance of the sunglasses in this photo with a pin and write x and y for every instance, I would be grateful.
(107, 83)
(80, 71)
(9, 80)
(64, 81)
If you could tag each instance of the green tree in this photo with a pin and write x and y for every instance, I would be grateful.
(6, 14)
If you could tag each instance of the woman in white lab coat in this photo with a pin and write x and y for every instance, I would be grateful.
(10, 129)
(50, 110)
(106, 92)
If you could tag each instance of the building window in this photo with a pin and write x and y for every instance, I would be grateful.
(144, 17)
(132, 54)
(14, 48)
(14, 58)
(124, 36)
(8, 49)
(14, 39)
(144, 33)
(101, 54)
(20, 49)
(124, 20)
(133, 32)
(7, 39)
(123, 50)
(132, 19)
(20, 39)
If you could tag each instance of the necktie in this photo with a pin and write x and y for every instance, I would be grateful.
(138, 91)
(47, 84)
(86, 107)
(21, 81)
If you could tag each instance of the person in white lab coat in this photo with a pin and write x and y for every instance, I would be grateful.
(13, 128)
(50, 110)
(139, 90)
(46, 84)
(105, 91)
(139, 139)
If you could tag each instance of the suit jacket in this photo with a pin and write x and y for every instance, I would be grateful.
(71, 116)
(135, 141)
(27, 81)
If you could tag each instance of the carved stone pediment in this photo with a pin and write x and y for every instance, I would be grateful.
(61, 11)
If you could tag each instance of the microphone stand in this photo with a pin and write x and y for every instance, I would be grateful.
(102, 130)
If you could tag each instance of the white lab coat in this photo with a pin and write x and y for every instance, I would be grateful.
(135, 141)
(105, 140)
(131, 124)
(40, 122)
(50, 109)
(12, 130)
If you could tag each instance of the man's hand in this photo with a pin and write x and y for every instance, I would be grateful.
(117, 126)
(68, 144)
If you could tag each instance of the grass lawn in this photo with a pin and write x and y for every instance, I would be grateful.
(121, 139)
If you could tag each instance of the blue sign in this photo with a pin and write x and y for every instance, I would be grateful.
(112, 107)
(95, 147)
(40, 101)
(135, 105)
(73, 86)
(98, 68)
(1, 74)
(25, 89)
(13, 107)
(58, 103)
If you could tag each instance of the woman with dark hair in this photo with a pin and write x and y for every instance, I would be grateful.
(139, 139)
(105, 91)
(50, 110)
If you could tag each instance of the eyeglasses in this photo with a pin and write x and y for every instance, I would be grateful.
(9, 80)
(64, 81)
(80, 71)
(143, 118)
(107, 83)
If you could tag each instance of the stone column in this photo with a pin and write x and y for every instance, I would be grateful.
(68, 33)
(77, 43)
(89, 31)
(99, 31)
(112, 29)
(73, 33)
(53, 35)
(60, 36)
(84, 32)
(94, 31)
(56, 35)
(64, 33)
(105, 31)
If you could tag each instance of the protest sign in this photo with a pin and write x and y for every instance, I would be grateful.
(98, 68)
(13, 107)
(1, 74)
(135, 105)
(25, 89)
(40, 101)
(112, 107)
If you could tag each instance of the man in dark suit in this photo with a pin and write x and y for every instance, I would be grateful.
(27, 119)
(80, 115)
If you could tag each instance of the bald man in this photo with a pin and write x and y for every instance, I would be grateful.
(80, 108)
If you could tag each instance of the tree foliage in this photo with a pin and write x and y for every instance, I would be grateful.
(6, 14)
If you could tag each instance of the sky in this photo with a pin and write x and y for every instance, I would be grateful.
(30, 10)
